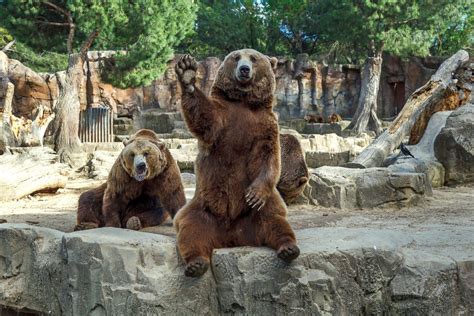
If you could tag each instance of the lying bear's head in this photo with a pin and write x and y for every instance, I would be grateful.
(247, 75)
(143, 156)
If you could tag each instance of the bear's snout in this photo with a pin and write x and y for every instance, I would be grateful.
(141, 168)
(244, 70)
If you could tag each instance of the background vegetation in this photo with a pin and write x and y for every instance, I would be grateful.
(343, 31)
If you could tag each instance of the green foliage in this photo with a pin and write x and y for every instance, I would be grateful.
(459, 35)
(401, 27)
(224, 26)
(44, 62)
(146, 30)
(5, 37)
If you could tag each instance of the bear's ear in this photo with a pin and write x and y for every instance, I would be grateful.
(159, 144)
(273, 61)
(126, 141)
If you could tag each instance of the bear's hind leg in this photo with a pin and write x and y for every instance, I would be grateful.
(197, 236)
(275, 231)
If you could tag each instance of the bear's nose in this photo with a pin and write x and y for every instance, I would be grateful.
(141, 167)
(244, 70)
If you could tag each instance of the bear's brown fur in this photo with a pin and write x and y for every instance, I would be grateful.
(313, 118)
(294, 171)
(334, 118)
(143, 187)
(238, 166)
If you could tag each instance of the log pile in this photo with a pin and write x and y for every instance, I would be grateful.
(442, 92)
(30, 170)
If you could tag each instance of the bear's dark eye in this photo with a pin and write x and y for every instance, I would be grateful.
(132, 154)
(253, 58)
(237, 57)
(145, 154)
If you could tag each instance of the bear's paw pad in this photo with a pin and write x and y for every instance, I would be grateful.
(288, 252)
(196, 267)
(134, 223)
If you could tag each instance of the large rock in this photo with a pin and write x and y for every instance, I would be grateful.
(341, 271)
(157, 120)
(358, 188)
(333, 150)
(454, 146)
(425, 160)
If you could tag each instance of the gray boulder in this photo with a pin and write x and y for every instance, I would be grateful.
(454, 146)
(358, 188)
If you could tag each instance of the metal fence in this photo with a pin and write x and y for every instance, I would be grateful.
(96, 125)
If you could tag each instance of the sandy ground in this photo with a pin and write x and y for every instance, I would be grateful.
(447, 206)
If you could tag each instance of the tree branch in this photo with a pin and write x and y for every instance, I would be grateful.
(70, 22)
(8, 46)
(88, 43)
(54, 23)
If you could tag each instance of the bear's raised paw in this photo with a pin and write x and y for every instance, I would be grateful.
(186, 70)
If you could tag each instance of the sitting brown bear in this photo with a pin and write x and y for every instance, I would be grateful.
(294, 171)
(334, 118)
(143, 187)
(238, 166)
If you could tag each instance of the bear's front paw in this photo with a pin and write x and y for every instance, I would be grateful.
(186, 70)
(288, 252)
(256, 196)
(196, 267)
(134, 223)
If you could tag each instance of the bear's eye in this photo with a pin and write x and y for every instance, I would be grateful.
(132, 154)
(253, 58)
(145, 154)
(237, 57)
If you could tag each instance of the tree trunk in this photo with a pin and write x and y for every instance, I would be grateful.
(439, 89)
(365, 117)
(30, 170)
(66, 136)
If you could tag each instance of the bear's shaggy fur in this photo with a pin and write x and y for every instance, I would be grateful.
(294, 171)
(143, 187)
(238, 166)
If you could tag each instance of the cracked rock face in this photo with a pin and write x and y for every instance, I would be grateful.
(454, 146)
(358, 188)
(346, 271)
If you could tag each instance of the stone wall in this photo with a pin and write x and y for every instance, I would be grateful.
(314, 87)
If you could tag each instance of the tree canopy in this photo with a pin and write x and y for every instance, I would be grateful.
(146, 31)
(336, 30)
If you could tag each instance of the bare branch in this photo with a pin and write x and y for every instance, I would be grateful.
(88, 43)
(55, 23)
(8, 46)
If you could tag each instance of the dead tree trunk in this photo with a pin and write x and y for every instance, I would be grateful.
(365, 117)
(66, 139)
(440, 87)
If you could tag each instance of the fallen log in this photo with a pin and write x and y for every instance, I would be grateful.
(30, 170)
(441, 86)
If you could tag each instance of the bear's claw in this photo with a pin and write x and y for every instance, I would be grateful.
(134, 223)
(85, 226)
(288, 252)
(196, 267)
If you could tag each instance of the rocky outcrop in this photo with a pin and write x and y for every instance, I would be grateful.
(316, 87)
(454, 146)
(361, 188)
(333, 150)
(340, 271)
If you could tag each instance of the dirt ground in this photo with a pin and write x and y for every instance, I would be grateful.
(447, 206)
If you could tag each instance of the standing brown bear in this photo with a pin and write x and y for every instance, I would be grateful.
(238, 166)
(144, 187)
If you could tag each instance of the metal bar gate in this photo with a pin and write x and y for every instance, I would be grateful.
(96, 125)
